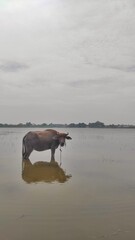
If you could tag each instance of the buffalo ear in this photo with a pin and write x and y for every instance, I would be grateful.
(69, 138)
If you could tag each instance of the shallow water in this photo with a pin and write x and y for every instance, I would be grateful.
(90, 196)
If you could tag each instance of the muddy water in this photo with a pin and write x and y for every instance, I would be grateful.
(90, 196)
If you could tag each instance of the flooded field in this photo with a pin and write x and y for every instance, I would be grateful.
(91, 195)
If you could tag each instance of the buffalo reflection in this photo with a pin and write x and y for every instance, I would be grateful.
(43, 172)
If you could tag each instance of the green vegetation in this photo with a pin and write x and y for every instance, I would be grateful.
(96, 124)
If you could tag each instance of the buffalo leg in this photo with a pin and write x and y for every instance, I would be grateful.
(26, 155)
(26, 152)
(52, 154)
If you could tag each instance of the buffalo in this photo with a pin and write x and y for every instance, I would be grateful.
(43, 140)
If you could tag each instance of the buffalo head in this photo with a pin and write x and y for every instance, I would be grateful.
(61, 137)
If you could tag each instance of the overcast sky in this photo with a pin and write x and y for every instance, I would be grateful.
(66, 61)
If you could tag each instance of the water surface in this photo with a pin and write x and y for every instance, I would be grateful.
(90, 196)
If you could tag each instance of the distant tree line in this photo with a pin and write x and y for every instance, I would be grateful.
(96, 124)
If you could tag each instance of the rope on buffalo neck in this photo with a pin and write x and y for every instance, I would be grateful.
(60, 156)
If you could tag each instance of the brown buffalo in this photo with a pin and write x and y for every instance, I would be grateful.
(43, 140)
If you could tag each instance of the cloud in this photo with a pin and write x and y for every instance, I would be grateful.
(124, 68)
(90, 82)
(12, 66)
